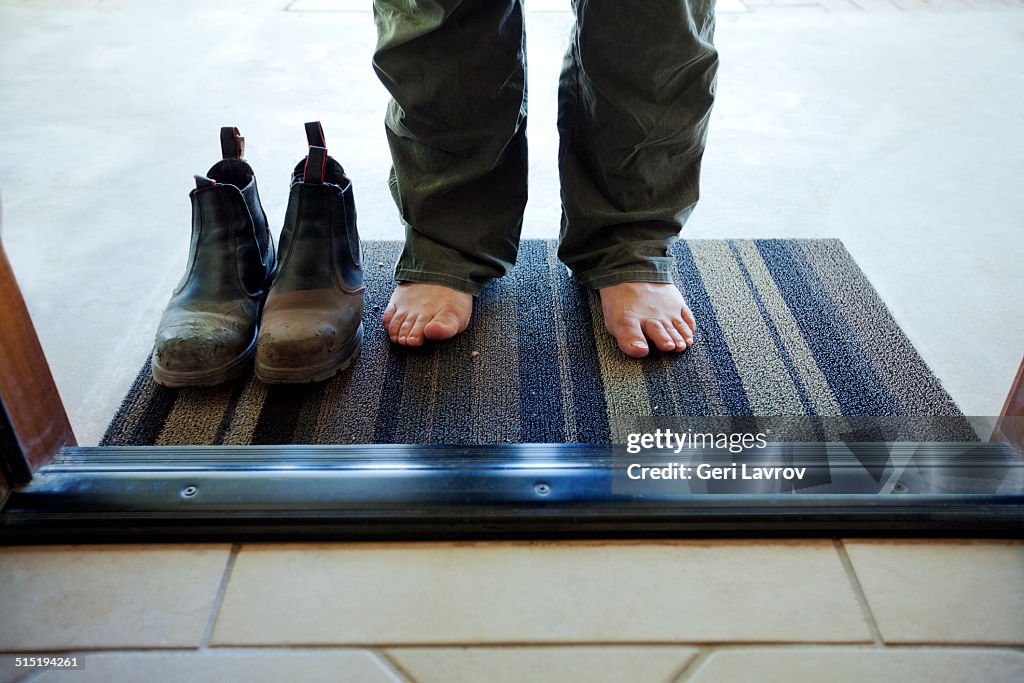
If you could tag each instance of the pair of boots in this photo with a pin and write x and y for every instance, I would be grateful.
(297, 311)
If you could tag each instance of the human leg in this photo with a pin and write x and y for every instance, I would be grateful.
(456, 126)
(635, 97)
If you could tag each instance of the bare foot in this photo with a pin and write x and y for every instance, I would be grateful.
(635, 312)
(420, 311)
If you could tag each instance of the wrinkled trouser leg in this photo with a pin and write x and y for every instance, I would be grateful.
(456, 125)
(634, 100)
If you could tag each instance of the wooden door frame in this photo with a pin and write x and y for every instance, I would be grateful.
(34, 425)
(1010, 427)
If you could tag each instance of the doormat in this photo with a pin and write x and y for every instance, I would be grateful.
(786, 327)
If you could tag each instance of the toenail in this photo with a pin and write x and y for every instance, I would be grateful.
(639, 345)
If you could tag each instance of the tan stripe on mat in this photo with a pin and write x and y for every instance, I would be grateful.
(815, 384)
(769, 389)
(247, 414)
(625, 392)
(196, 416)
(348, 411)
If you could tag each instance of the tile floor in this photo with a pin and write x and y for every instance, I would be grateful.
(893, 125)
(589, 612)
(554, 593)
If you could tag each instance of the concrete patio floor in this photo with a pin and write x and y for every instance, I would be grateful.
(897, 132)
(894, 126)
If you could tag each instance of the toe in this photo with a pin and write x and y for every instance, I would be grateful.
(396, 325)
(685, 330)
(389, 313)
(688, 318)
(677, 336)
(444, 325)
(406, 329)
(657, 333)
(631, 339)
(415, 337)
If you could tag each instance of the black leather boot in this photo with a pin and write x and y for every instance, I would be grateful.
(208, 331)
(312, 324)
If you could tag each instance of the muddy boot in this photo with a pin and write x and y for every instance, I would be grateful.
(207, 334)
(312, 323)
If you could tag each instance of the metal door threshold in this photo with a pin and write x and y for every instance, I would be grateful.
(401, 492)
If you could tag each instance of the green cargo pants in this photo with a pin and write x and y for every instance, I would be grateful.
(635, 95)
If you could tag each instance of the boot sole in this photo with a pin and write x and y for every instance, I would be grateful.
(312, 373)
(183, 379)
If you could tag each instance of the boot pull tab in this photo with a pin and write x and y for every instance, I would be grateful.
(232, 144)
(202, 182)
(316, 165)
(315, 134)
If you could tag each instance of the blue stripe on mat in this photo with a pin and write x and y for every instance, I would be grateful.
(391, 396)
(541, 416)
(833, 344)
(780, 347)
(734, 397)
(454, 418)
(589, 410)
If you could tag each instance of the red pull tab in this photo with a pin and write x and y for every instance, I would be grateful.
(232, 144)
(315, 134)
(316, 165)
(203, 182)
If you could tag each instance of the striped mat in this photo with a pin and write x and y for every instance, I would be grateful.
(787, 327)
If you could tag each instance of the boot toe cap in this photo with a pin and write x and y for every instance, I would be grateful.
(195, 347)
(297, 343)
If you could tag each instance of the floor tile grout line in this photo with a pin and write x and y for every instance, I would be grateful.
(512, 645)
(691, 668)
(30, 676)
(401, 675)
(185, 650)
(218, 598)
(858, 591)
(393, 667)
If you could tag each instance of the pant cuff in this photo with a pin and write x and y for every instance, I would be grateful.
(600, 278)
(429, 278)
